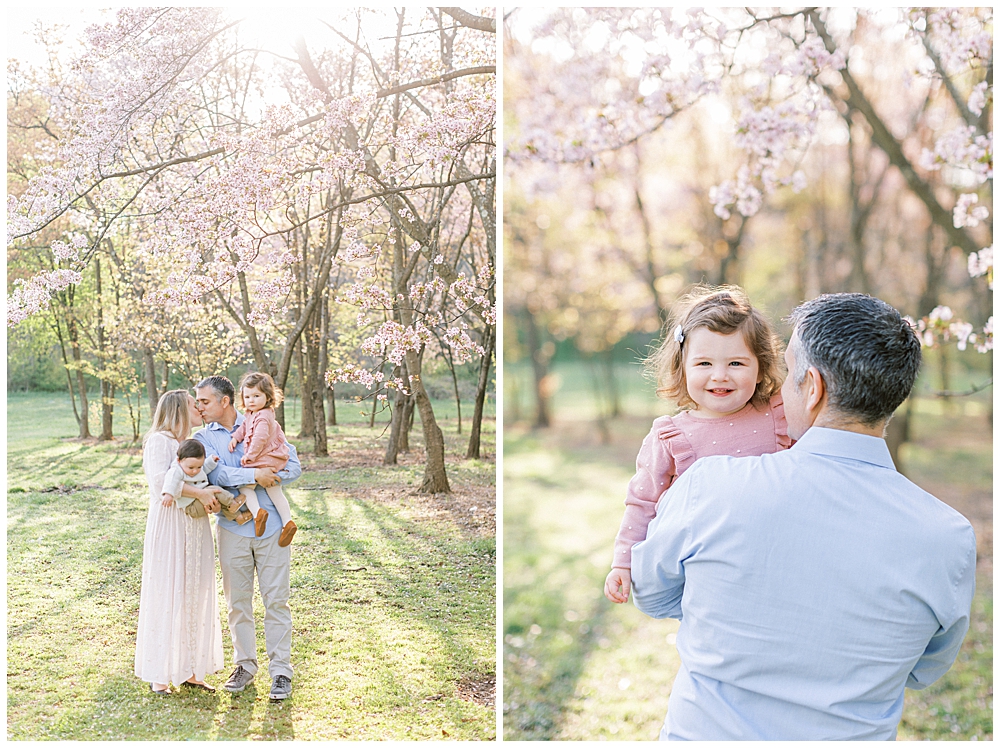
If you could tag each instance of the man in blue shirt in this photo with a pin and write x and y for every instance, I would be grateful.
(241, 552)
(815, 584)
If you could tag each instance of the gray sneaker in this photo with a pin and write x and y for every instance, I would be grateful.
(281, 688)
(238, 680)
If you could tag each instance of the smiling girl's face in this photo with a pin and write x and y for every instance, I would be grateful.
(721, 372)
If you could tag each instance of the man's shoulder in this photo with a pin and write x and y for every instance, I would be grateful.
(939, 517)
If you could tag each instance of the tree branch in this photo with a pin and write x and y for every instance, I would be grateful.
(482, 69)
(480, 23)
(892, 147)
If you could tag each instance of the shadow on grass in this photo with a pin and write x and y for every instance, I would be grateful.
(545, 648)
(389, 613)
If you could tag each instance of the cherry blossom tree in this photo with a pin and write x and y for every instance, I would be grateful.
(589, 86)
(247, 174)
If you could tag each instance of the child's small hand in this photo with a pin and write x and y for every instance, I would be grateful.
(167, 500)
(618, 578)
(232, 445)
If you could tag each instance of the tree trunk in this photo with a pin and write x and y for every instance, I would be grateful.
(897, 433)
(81, 384)
(937, 265)
(66, 365)
(435, 477)
(149, 366)
(332, 404)
(484, 380)
(107, 410)
(107, 389)
(458, 396)
(311, 338)
(165, 382)
(539, 364)
(324, 361)
(396, 425)
(407, 423)
(306, 427)
(611, 384)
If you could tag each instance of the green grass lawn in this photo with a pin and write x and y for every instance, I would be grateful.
(577, 667)
(393, 594)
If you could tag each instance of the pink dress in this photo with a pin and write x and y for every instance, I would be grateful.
(672, 446)
(264, 444)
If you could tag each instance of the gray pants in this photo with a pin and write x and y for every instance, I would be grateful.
(238, 558)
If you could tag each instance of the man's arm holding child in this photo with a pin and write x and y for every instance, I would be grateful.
(293, 469)
(658, 561)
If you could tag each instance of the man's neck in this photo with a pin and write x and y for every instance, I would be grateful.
(228, 419)
(828, 420)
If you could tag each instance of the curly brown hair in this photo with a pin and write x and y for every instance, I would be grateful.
(724, 310)
(265, 384)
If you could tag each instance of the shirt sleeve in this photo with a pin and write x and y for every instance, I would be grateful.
(224, 475)
(944, 646)
(240, 432)
(658, 561)
(293, 469)
(654, 473)
(157, 456)
(173, 481)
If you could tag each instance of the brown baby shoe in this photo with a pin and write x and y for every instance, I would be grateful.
(287, 533)
(261, 522)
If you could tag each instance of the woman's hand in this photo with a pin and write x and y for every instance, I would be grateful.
(618, 578)
(207, 498)
(167, 500)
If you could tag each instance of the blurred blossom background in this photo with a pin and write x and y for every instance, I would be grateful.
(794, 153)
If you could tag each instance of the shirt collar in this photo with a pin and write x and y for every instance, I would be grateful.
(215, 425)
(847, 444)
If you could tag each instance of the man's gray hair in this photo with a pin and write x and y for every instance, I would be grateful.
(220, 385)
(868, 354)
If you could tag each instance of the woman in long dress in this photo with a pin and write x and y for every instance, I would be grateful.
(179, 636)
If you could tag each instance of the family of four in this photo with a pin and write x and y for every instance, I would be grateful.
(813, 582)
(232, 467)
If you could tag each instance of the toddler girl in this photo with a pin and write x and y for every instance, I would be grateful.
(719, 360)
(265, 447)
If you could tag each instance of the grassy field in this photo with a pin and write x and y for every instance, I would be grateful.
(576, 667)
(393, 594)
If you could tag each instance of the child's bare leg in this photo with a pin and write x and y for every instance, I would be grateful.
(288, 527)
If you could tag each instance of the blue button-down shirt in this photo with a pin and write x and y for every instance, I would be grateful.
(812, 585)
(231, 475)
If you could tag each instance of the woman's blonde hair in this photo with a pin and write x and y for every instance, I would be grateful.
(172, 415)
(265, 384)
(724, 310)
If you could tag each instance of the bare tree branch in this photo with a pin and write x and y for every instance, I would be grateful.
(885, 140)
(481, 70)
(481, 23)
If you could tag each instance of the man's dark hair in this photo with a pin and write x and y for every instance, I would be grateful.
(221, 385)
(190, 448)
(867, 353)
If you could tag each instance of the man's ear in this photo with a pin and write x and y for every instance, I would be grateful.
(225, 401)
(815, 389)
